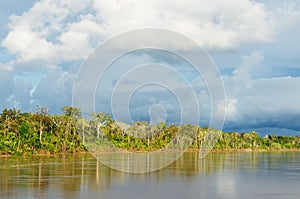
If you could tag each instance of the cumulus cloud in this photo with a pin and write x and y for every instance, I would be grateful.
(54, 90)
(13, 92)
(55, 33)
(259, 102)
(211, 23)
(68, 31)
(286, 16)
(49, 31)
(28, 45)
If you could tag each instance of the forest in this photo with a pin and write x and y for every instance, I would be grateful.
(23, 133)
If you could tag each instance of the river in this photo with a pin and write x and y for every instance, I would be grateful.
(265, 175)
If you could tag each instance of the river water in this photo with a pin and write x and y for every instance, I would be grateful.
(219, 175)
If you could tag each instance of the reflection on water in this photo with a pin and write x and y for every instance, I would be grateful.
(219, 175)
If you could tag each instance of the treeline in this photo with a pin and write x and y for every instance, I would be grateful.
(40, 132)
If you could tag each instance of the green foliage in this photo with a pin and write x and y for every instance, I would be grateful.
(39, 132)
(71, 111)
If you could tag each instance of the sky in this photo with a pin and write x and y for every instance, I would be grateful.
(255, 45)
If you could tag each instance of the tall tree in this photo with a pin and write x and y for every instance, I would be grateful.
(10, 120)
(72, 111)
(43, 119)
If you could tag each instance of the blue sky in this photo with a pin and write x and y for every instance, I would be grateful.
(255, 45)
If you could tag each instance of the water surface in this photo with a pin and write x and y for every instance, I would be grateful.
(219, 175)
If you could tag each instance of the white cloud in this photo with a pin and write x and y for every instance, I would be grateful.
(40, 33)
(53, 32)
(68, 30)
(13, 92)
(259, 101)
(54, 90)
(242, 75)
(250, 64)
(230, 108)
(79, 38)
(211, 23)
(28, 44)
(286, 16)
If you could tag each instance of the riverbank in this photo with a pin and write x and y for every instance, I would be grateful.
(187, 151)
(42, 133)
(255, 150)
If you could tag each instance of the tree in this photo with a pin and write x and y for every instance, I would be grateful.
(10, 120)
(43, 119)
(82, 128)
(253, 139)
(71, 111)
(98, 120)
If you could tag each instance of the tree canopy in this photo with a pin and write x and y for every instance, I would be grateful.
(40, 132)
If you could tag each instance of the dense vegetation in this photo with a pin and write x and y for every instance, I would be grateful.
(40, 132)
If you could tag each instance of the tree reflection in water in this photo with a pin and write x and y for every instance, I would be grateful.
(73, 176)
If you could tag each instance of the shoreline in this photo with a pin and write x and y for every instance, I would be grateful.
(247, 150)
(40, 133)
(187, 151)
